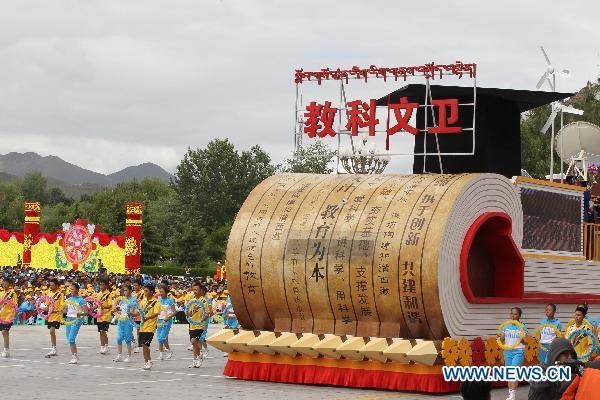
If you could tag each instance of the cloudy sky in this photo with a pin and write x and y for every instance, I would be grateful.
(107, 84)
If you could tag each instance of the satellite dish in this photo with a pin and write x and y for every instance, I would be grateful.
(577, 137)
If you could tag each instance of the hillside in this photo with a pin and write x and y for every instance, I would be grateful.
(72, 179)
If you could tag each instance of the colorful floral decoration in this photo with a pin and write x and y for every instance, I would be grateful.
(77, 243)
(10, 251)
(464, 352)
(91, 265)
(450, 351)
(478, 351)
(60, 261)
(493, 354)
(531, 349)
(130, 246)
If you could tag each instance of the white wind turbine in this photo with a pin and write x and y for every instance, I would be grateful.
(557, 107)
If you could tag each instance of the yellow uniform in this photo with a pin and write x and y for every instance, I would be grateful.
(105, 297)
(199, 313)
(59, 304)
(7, 312)
(149, 307)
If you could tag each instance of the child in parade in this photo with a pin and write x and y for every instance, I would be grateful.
(209, 312)
(151, 309)
(138, 293)
(197, 330)
(165, 320)
(6, 313)
(74, 312)
(547, 334)
(124, 327)
(511, 336)
(53, 321)
(229, 319)
(103, 322)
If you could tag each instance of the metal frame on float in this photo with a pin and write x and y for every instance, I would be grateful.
(428, 72)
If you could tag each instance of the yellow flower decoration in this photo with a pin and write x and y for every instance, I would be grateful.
(131, 247)
(449, 352)
(465, 352)
(531, 349)
(493, 354)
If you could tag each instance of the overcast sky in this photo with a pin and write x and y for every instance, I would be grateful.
(107, 84)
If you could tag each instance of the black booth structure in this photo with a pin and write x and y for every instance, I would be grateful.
(497, 127)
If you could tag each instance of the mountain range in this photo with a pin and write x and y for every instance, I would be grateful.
(72, 179)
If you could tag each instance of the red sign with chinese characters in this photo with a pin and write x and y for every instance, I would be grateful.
(320, 117)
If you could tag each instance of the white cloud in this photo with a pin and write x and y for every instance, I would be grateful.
(104, 83)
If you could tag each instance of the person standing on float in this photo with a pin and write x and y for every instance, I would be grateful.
(547, 334)
(511, 336)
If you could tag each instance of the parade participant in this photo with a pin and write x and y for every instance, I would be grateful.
(75, 309)
(201, 315)
(7, 313)
(547, 333)
(26, 311)
(53, 321)
(580, 342)
(138, 293)
(165, 320)
(103, 322)
(151, 309)
(209, 312)
(229, 318)
(124, 327)
(513, 338)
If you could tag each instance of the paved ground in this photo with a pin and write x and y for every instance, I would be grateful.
(28, 375)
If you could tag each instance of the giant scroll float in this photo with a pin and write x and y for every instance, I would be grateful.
(388, 256)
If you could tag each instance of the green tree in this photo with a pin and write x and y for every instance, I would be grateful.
(315, 158)
(11, 206)
(56, 195)
(189, 245)
(34, 187)
(216, 242)
(212, 183)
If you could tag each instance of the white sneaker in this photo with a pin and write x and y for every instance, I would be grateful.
(191, 347)
(118, 358)
(4, 354)
(126, 359)
(511, 395)
(169, 355)
(147, 366)
(161, 357)
(136, 350)
(225, 355)
(51, 353)
(74, 359)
